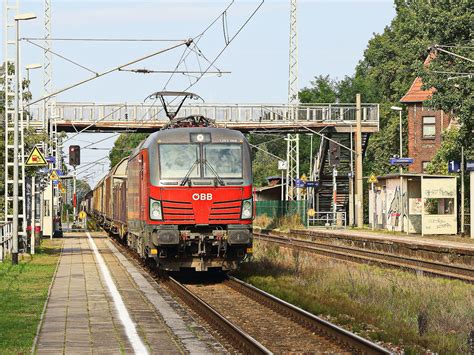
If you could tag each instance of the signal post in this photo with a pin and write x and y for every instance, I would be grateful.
(74, 161)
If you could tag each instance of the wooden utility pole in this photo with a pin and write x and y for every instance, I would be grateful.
(358, 172)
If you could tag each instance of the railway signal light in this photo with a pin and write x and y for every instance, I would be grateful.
(74, 155)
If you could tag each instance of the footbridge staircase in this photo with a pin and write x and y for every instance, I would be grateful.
(323, 200)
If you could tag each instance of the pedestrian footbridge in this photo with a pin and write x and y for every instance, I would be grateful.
(100, 117)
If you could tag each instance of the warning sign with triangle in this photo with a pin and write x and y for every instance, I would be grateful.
(372, 179)
(36, 158)
(54, 175)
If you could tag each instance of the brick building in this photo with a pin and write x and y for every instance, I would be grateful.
(425, 126)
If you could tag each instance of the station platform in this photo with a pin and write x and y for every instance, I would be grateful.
(444, 249)
(100, 303)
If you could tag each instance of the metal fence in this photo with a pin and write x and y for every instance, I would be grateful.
(6, 239)
(328, 219)
(276, 210)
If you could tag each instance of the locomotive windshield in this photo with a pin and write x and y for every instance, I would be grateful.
(176, 160)
(190, 161)
(225, 159)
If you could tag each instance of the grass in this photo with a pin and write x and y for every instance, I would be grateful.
(283, 223)
(414, 312)
(23, 292)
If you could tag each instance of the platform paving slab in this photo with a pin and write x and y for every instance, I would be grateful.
(411, 239)
(81, 316)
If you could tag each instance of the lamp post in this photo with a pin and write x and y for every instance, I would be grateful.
(28, 68)
(18, 18)
(399, 109)
(31, 67)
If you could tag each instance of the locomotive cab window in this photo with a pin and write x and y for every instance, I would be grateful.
(178, 160)
(223, 159)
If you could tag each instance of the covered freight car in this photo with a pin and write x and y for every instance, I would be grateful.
(114, 178)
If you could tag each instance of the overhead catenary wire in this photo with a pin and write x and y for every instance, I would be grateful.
(455, 46)
(104, 39)
(195, 39)
(108, 72)
(62, 57)
(149, 71)
(453, 54)
(266, 152)
(191, 47)
(101, 119)
(226, 45)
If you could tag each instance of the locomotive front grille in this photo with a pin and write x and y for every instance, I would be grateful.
(227, 210)
(178, 211)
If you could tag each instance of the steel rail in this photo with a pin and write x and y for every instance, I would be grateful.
(307, 320)
(240, 340)
(243, 341)
(237, 337)
(370, 256)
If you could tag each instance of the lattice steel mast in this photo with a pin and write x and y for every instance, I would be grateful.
(292, 140)
(49, 125)
(14, 195)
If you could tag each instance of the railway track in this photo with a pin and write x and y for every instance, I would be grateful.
(373, 257)
(252, 321)
(277, 325)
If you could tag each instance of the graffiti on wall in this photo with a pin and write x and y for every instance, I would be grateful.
(394, 215)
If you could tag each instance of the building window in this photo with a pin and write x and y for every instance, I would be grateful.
(425, 166)
(429, 127)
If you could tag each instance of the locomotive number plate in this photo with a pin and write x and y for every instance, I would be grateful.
(202, 197)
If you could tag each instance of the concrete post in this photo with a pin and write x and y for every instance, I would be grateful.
(33, 212)
(462, 191)
(373, 204)
(15, 148)
(359, 182)
(334, 194)
(471, 177)
(74, 199)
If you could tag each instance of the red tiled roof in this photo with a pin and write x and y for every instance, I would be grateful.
(415, 93)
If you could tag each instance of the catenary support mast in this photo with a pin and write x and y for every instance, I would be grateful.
(292, 140)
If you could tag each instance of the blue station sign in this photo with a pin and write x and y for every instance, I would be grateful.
(312, 183)
(50, 159)
(454, 166)
(299, 183)
(401, 161)
(470, 165)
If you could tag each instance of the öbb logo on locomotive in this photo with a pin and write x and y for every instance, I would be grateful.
(202, 197)
(153, 199)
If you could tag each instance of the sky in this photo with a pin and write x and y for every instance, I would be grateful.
(332, 36)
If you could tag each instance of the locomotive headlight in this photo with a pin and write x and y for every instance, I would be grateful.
(155, 210)
(247, 209)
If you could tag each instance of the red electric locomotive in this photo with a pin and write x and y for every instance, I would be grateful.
(189, 198)
(183, 198)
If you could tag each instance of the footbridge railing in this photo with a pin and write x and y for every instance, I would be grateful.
(344, 114)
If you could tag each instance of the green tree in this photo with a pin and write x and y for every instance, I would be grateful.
(323, 90)
(124, 146)
(395, 57)
(451, 75)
